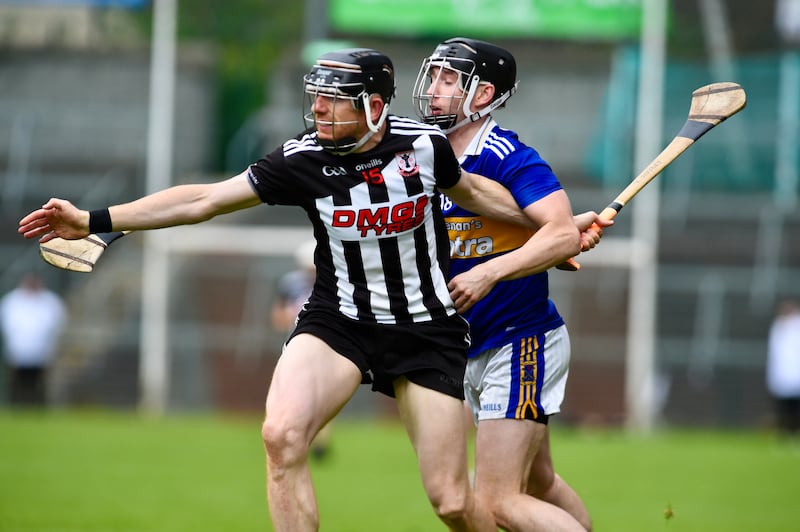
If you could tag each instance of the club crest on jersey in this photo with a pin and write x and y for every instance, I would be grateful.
(406, 163)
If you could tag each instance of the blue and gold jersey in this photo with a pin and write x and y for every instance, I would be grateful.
(519, 306)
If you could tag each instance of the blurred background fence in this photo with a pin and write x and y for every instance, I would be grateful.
(73, 123)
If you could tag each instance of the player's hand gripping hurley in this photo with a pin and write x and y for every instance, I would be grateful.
(711, 105)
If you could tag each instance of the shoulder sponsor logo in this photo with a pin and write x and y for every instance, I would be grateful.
(252, 177)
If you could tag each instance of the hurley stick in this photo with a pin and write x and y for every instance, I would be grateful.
(711, 105)
(78, 255)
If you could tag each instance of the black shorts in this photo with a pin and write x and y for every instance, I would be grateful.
(431, 354)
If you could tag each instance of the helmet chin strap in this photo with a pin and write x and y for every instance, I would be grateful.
(477, 115)
(360, 143)
(374, 127)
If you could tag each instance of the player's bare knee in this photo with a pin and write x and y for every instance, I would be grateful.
(541, 482)
(284, 444)
(451, 505)
(451, 514)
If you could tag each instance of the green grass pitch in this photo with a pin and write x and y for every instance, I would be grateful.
(105, 471)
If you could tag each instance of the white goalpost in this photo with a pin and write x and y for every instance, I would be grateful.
(240, 240)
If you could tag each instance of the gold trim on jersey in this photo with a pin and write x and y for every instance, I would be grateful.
(528, 377)
(476, 236)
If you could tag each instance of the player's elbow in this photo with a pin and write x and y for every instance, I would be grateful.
(205, 213)
(196, 213)
(207, 206)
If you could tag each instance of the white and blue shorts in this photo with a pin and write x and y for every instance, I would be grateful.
(524, 379)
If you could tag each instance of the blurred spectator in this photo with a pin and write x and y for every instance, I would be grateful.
(783, 365)
(294, 288)
(293, 291)
(32, 318)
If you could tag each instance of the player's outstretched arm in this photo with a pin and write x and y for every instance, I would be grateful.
(178, 205)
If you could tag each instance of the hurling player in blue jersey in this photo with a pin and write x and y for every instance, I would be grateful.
(519, 357)
(380, 312)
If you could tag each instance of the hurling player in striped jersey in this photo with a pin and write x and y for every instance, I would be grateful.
(380, 312)
(519, 357)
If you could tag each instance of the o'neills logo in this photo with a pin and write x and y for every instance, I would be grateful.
(383, 220)
(373, 163)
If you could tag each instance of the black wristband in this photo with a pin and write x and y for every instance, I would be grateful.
(100, 221)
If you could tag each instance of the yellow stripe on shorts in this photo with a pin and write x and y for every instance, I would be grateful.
(528, 377)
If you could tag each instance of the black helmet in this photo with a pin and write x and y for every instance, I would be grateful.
(353, 71)
(476, 62)
(353, 74)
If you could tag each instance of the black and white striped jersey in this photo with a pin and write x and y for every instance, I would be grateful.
(382, 247)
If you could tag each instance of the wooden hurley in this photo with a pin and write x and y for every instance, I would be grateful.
(78, 255)
(711, 105)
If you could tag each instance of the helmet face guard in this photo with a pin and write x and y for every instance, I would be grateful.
(336, 144)
(475, 62)
(430, 77)
(353, 75)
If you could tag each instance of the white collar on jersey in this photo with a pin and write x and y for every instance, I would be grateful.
(476, 144)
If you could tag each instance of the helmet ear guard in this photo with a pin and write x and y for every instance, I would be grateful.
(475, 116)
